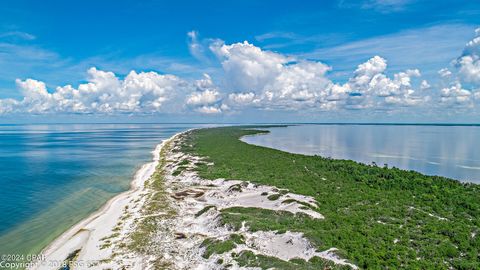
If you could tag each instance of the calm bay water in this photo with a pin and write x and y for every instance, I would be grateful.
(52, 176)
(451, 151)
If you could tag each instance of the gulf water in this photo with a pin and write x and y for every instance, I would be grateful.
(53, 176)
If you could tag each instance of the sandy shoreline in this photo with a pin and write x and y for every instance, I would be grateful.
(88, 233)
(189, 214)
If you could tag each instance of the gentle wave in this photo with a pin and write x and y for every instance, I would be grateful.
(468, 167)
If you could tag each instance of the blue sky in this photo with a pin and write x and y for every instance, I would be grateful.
(58, 42)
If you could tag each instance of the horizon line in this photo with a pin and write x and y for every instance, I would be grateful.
(250, 123)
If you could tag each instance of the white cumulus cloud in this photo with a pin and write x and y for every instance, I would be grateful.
(470, 68)
(269, 79)
(143, 92)
(425, 85)
(371, 87)
(469, 63)
(456, 95)
(207, 98)
(253, 78)
(241, 98)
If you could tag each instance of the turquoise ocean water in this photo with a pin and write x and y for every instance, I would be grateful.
(52, 176)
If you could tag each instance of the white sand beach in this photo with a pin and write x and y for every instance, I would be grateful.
(86, 235)
(176, 241)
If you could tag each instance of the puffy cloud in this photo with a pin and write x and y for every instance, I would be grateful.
(104, 92)
(304, 81)
(206, 99)
(455, 95)
(470, 68)
(476, 95)
(264, 80)
(465, 74)
(370, 87)
(367, 71)
(7, 105)
(209, 110)
(469, 63)
(473, 46)
(268, 79)
(247, 67)
(407, 99)
(337, 92)
(425, 85)
(149, 90)
(444, 73)
(271, 80)
(241, 98)
(256, 78)
(143, 92)
(383, 86)
(36, 97)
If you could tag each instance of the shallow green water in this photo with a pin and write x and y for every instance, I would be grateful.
(52, 176)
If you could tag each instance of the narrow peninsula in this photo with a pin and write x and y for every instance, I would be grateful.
(215, 202)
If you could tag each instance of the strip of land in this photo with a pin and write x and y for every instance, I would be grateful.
(215, 202)
(377, 217)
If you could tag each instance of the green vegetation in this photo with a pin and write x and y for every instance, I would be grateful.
(205, 209)
(304, 204)
(68, 262)
(184, 162)
(140, 240)
(378, 217)
(249, 259)
(274, 197)
(213, 246)
(264, 220)
(179, 170)
(235, 188)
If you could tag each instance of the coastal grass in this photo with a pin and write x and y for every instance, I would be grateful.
(268, 220)
(179, 170)
(204, 210)
(378, 217)
(213, 246)
(249, 259)
(157, 201)
(70, 260)
(274, 197)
